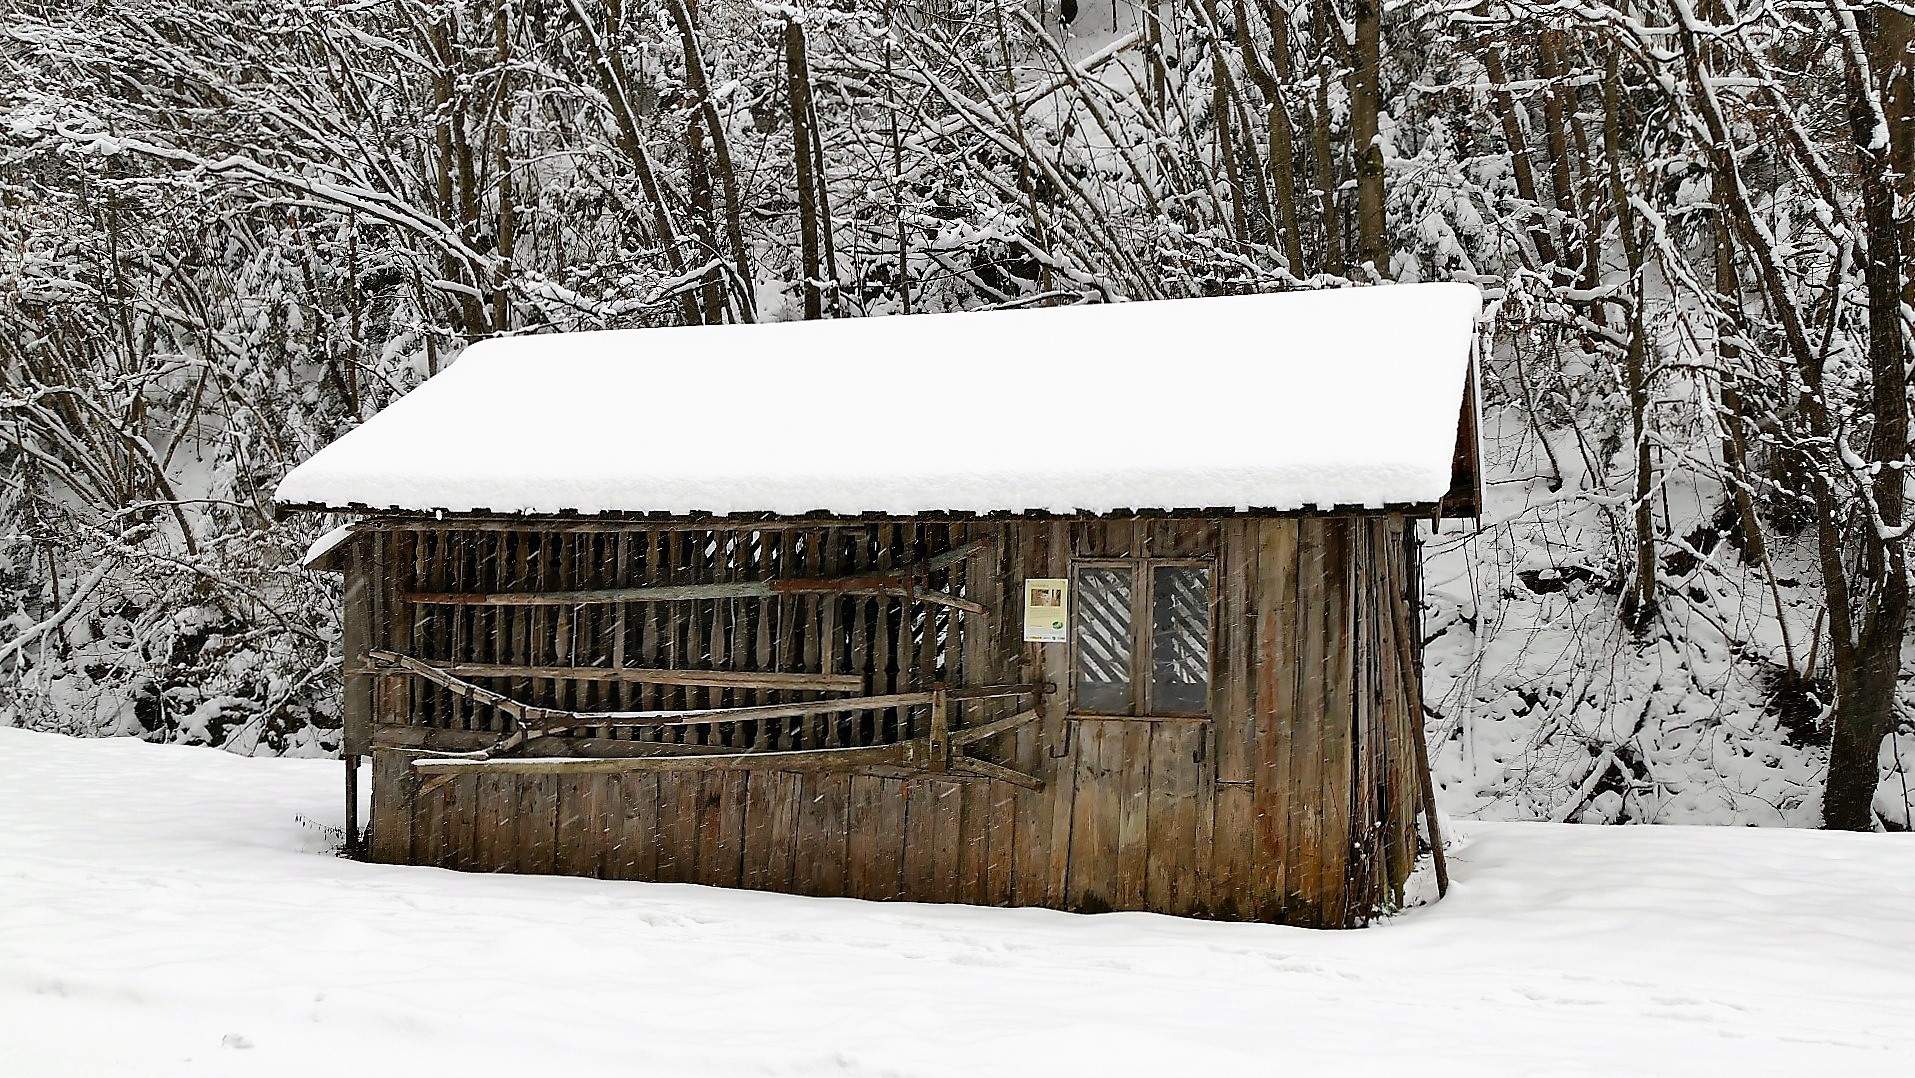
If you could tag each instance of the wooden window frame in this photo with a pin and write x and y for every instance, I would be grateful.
(1142, 592)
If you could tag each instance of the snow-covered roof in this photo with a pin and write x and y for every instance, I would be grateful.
(319, 554)
(1346, 397)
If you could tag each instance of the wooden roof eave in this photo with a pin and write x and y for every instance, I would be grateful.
(375, 517)
(1465, 496)
(333, 556)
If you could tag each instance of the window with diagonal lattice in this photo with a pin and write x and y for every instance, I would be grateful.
(1140, 639)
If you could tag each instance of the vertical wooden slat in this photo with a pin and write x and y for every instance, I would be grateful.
(848, 616)
(390, 842)
(1236, 727)
(972, 868)
(674, 625)
(679, 796)
(1360, 872)
(389, 832)
(721, 829)
(723, 624)
(782, 850)
(589, 635)
(518, 620)
(461, 803)
(634, 854)
(1337, 750)
(883, 629)
(655, 630)
(426, 697)
(1238, 875)
(947, 841)
(875, 849)
(1051, 557)
(1131, 779)
(449, 642)
(755, 866)
(1033, 742)
(1289, 695)
(1174, 883)
(620, 694)
(355, 635)
(823, 807)
(1091, 885)
(494, 808)
(537, 823)
(428, 829)
(487, 629)
(919, 873)
(1000, 838)
(579, 836)
(1406, 783)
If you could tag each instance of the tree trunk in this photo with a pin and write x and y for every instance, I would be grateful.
(1519, 163)
(1735, 445)
(798, 96)
(1555, 68)
(1283, 167)
(1641, 605)
(1366, 109)
(1867, 666)
(706, 123)
(1320, 142)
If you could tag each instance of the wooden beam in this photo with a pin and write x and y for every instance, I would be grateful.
(903, 582)
(646, 593)
(993, 692)
(727, 679)
(442, 742)
(1419, 739)
(538, 718)
(940, 746)
(805, 760)
(555, 719)
(993, 728)
(665, 593)
(352, 805)
(902, 587)
(957, 554)
(996, 772)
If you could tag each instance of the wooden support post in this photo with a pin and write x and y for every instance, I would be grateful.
(1429, 801)
(1410, 652)
(354, 848)
(940, 730)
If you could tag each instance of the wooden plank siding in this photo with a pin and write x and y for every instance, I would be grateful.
(1292, 800)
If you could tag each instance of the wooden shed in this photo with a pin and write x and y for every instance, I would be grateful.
(1095, 608)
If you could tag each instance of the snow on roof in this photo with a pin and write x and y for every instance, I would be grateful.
(325, 545)
(1342, 397)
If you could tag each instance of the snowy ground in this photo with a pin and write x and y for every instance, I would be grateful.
(165, 910)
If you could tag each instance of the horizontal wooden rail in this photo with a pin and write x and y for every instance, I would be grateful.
(439, 741)
(956, 554)
(915, 754)
(718, 679)
(903, 583)
(543, 719)
(996, 772)
(981, 732)
(666, 593)
(901, 753)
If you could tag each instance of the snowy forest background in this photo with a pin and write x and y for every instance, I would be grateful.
(229, 232)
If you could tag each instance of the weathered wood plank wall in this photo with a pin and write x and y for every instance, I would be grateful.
(1294, 800)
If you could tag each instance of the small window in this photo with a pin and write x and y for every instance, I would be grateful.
(1140, 638)
(1104, 638)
